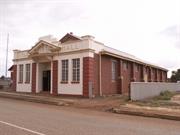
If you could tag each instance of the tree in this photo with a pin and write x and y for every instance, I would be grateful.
(175, 76)
(2, 77)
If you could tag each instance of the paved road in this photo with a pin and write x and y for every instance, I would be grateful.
(25, 118)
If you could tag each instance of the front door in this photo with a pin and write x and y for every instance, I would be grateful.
(46, 80)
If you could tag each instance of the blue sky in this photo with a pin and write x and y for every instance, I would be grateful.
(148, 29)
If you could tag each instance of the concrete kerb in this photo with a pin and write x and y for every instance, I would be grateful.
(136, 112)
(37, 99)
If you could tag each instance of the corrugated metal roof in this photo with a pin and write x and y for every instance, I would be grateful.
(126, 56)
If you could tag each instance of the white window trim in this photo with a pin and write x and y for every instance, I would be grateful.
(21, 73)
(64, 70)
(27, 73)
(76, 70)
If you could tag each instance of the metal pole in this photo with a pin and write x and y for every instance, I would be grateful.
(7, 54)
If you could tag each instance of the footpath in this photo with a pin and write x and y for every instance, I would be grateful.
(114, 104)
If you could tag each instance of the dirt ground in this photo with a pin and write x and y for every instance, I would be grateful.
(101, 103)
(107, 103)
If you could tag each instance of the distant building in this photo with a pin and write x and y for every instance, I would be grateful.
(79, 66)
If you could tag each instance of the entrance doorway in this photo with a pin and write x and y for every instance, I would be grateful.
(46, 80)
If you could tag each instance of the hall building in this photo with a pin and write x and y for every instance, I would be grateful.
(79, 66)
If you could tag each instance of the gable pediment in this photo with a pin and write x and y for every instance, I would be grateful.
(43, 47)
(69, 38)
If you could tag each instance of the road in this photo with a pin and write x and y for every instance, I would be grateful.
(26, 118)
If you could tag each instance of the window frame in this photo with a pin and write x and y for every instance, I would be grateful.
(27, 73)
(76, 70)
(21, 66)
(64, 71)
(113, 70)
(125, 65)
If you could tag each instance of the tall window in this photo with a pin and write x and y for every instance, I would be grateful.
(125, 65)
(136, 67)
(113, 70)
(20, 73)
(76, 70)
(64, 70)
(27, 73)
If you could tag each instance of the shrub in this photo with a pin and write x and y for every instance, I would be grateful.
(165, 95)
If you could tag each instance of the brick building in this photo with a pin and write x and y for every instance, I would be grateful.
(79, 66)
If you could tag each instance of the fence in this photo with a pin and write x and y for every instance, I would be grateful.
(4, 83)
(143, 90)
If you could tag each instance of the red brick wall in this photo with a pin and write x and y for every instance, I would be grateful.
(109, 86)
(88, 74)
(126, 78)
(137, 73)
(159, 75)
(96, 91)
(148, 71)
(153, 75)
(33, 87)
(164, 76)
(14, 77)
(143, 72)
(121, 85)
(55, 78)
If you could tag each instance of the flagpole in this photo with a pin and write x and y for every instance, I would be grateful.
(7, 48)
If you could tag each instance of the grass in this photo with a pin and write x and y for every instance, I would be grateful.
(162, 100)
(166, 95)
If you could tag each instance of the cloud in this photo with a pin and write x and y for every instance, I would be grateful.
(171, 31)
(130, 26)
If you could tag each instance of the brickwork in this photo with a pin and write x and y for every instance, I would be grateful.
(121, 76)
(33, 77)
(153, 75)
(128, 72)
(14, 77)
(88, 74)
(108, 85)
(137, 73)
(126, 77)
(96, 91)
(55, 78)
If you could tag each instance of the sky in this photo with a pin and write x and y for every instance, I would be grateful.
(148, 29)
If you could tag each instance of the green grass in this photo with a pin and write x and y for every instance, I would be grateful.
(166, 95)
(162, 100)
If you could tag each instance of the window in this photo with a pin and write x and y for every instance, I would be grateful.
(20, 73)
(152, 71)
(137, 67)
(27, 73)
(76, 70)
(113, 70)
(125, 65)
(64, 71)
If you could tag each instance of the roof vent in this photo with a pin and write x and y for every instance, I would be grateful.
(71, 33)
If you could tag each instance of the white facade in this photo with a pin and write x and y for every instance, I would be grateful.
(72, 88)
(24, 87)
(43, 55)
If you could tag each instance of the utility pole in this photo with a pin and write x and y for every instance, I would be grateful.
(7, 48)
